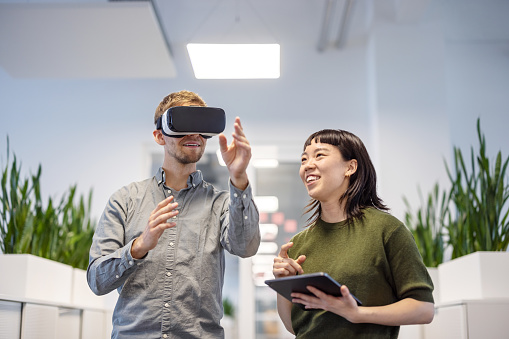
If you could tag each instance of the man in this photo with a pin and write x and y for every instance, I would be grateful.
(160, 242)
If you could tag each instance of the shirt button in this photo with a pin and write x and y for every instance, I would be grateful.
(131, 263)
(169, 191)
(165, 336)
(171, 244)
(166, 305)
(168, 274)
(245, 217)
(117, 276)
(244, 196)
(235, 195)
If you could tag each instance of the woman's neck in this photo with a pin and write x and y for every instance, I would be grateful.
(333, 212)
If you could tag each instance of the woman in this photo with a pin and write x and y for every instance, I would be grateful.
(352, 238)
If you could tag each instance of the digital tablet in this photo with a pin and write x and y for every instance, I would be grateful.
(297, 283)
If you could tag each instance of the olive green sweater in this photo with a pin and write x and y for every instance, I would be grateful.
(375, 257)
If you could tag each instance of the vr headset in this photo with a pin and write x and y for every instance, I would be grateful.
(180, 121)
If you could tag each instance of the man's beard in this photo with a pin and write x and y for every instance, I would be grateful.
(185, 159)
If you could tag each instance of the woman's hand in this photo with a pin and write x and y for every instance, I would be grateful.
(285, 266)
(345, 306)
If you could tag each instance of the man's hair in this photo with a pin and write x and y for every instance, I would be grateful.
(178, 99)
(361, 191)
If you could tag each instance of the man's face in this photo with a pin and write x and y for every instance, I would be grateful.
(186, 150)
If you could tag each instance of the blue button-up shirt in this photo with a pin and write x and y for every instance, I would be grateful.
(175, 291)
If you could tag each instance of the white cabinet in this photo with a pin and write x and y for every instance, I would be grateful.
(449, 322)
(411, 332)
(68, 323)
(28, 319)
(93, 324)
(41, 298)
(10, 319)
(470, 319)
(466, 319)
(39, 321)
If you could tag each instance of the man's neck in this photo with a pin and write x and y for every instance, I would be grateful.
(176, 174)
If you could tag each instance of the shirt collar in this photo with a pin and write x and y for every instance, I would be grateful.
(194, 179)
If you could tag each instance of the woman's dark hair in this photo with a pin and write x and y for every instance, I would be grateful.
(361, 191)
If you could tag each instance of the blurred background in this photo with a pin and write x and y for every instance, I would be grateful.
(80, 81)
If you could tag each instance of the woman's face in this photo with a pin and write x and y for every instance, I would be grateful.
(324, 172)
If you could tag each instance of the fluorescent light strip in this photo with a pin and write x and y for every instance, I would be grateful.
(267, 204)
(265, 163)
(235, 61)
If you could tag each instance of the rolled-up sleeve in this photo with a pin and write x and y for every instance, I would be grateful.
(241, 229)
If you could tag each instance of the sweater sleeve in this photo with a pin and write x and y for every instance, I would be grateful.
(410, 276)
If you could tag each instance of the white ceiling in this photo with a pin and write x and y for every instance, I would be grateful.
(136, 39)
(83, 40)
(123, 39)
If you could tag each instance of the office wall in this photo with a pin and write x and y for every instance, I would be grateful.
(410, 90)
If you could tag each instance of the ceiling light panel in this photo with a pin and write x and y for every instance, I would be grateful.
(235, 61)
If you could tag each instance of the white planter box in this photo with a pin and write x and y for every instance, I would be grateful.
(480, 275)
(110, 300)
(27, 276)
(82, 295)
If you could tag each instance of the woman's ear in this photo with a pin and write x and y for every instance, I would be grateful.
(158, 137)
(352, 168)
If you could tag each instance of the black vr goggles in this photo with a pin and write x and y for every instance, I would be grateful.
(180, 121)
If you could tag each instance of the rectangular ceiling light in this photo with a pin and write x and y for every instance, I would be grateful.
(235, 61)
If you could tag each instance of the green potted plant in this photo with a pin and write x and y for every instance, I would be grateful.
(427, 226)
(477, 227)
(44, 236)
(228, 320)
(480, 194)
(471, 220)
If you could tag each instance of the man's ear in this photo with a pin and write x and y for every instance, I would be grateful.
(352, 167)
(158, 137)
